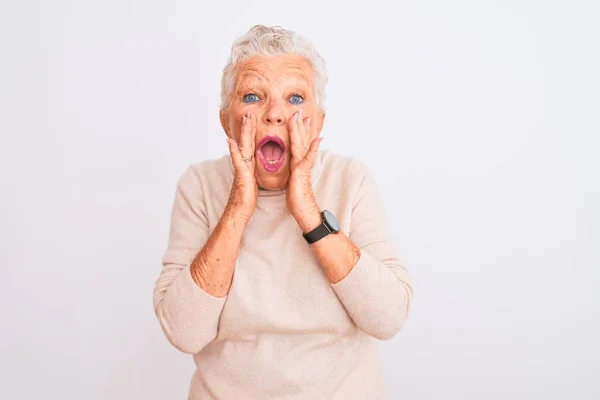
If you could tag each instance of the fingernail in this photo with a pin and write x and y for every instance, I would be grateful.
(296, 117)
(308, 121)
(248, 114)
(300, 114)
(244, 118)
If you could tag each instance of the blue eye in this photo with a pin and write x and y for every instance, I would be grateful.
(296, 99)
(251, 98)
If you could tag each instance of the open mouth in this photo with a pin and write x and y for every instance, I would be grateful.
(271, 153)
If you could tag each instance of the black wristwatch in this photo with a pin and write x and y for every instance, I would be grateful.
(328, 225)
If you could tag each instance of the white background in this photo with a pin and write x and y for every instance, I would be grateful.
(480, 119)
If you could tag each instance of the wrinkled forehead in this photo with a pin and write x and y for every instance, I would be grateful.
(286, 69)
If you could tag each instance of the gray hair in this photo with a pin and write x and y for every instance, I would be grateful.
(267, 41)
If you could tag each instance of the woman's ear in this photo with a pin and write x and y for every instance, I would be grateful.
(224, 121)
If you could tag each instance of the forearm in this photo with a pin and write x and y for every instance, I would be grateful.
(374, 296)
(336, 254)
(189, 310)
(213, 267)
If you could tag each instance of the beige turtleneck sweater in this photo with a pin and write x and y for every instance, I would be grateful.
(283, 331)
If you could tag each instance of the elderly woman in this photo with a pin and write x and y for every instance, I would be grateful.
(279, 277)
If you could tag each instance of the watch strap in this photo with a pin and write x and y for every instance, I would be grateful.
(316, 234)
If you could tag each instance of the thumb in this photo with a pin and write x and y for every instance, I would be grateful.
(234, 151)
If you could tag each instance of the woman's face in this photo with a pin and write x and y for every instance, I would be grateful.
(273, 89)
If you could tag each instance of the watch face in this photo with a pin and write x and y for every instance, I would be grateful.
(331, 221)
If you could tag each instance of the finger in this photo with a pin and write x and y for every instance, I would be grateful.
(295, 140)
(313, 151)
(253, 133)
(303, 129)
(307, 130)
(246, 142)
(234, 151)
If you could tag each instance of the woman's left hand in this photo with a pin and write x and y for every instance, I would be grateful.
(301, 201)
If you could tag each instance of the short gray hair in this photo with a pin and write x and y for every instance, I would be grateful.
(267, 41)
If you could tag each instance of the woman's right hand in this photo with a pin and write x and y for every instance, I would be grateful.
(244, 191)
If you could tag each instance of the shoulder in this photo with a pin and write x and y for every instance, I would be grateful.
(343, 167)
(217, 166)
(205, 174)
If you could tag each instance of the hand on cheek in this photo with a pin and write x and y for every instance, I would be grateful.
(300, 198)
(244, 192)
(300, 130)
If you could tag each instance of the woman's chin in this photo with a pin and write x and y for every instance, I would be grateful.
(270, 181)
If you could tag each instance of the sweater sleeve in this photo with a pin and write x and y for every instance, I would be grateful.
(377, 291)
(188, 315)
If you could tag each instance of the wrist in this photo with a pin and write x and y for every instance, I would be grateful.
(237, 214)
(309, 219)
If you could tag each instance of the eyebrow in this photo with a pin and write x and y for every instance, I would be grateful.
(247, 80)
(304, 78)
(251, 76)
(301, 74)
(250, 80)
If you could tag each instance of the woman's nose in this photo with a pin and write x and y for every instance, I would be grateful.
(274, 114)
